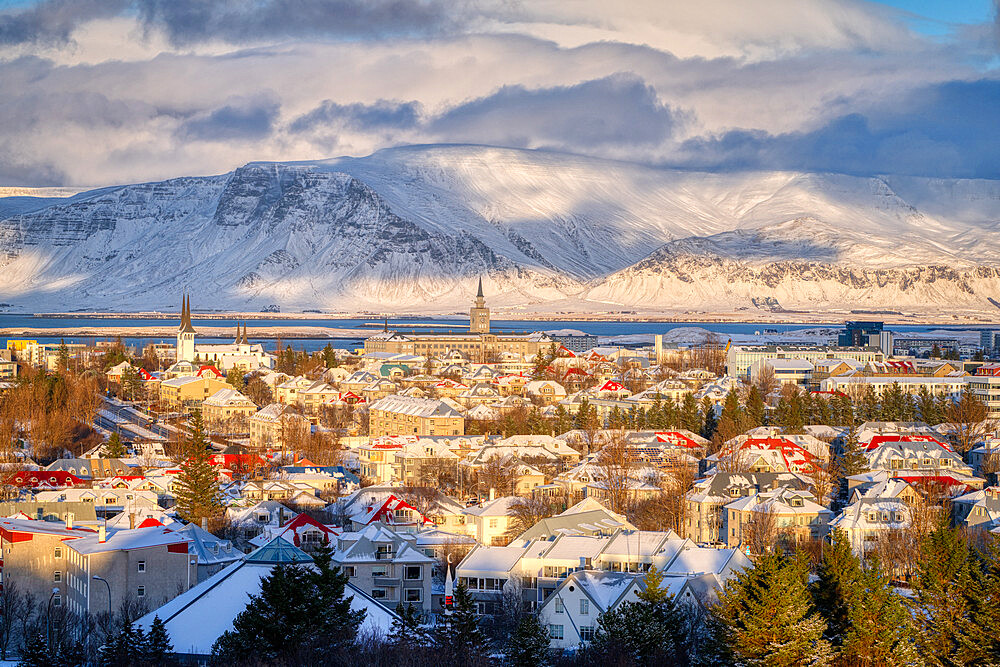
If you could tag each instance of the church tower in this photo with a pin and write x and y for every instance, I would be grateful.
(479, 314)
(185, 333)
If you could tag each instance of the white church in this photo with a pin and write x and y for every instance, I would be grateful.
(241, 353)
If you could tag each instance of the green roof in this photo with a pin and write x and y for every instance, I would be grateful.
(279, 551)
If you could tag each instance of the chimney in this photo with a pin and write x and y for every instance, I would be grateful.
(102, 533)
(69, 521)
(204, 523)
(131, 520)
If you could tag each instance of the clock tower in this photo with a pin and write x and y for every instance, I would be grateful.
(479, 314)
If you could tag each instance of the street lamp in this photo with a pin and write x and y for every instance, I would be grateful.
(48, 616)
(109, 594)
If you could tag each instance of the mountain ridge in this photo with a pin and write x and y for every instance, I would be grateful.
(410, 228)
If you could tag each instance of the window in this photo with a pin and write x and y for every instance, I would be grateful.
(412, 595)
(349, 571)
(140, 592)
(560, 607)
(584, 607)
(141, 566)
(493, 523)
(587, 633)
(56, 600)
(58, 552)
(57, 576)
(413, 572)
(378, 593)
(555, 632)
(379, 571)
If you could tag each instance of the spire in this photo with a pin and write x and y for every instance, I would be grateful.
(479, 294)
(246, 341)
(237, 340)
(186, 326)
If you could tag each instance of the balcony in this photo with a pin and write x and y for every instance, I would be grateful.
(386, 582)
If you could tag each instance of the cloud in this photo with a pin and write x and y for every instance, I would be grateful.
(240, 119)
(383, 114)
(945, 130)
(53, 21)
(238, 21)
(620, 110)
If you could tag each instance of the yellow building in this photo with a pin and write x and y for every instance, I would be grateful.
(227, 408)
(277, 425)
(189, 392)
(479, 345)
(405, 415)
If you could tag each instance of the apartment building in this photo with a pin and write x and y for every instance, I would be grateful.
(406, 415)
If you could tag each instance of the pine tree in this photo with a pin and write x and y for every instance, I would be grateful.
(115, 449)
(690, 417)
(528, 645)
(879, 628)
(851, 459)
(649, 631)
(947, 593)
(458, 634)
(710, 424)
(755, 407)
(765, 617)
(839, 574)
(407, 632)
(63, 363)
(197, 488)
(36, 653)
(124, 646)
(157, 649)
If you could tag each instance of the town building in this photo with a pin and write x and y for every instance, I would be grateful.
(240, 354)
(405, 415)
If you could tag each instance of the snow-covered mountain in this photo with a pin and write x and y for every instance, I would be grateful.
(409, 229)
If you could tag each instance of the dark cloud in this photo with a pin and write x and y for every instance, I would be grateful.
(53, 21)
(946, 130)
(383, 114)
(191, 21)
(620, 110)
(238, 120)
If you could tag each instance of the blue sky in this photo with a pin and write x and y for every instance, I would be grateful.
(102, 91)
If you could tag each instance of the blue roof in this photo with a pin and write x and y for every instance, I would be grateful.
(279, 551)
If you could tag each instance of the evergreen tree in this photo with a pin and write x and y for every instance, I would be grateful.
(329, 357)
(236, 379)
(839, 574)
(115, 449)
(300, 616)
(157, 649)
(407, 632)
(710, 424)
(36, 653)
(851, 459)
(563, 422)
(649, 631)
(755, 407)
(947, 595)
(690, 416)
(63, 356)
(197, 488)
(458, 634)
(928, 408)
(528, 645)
(765, 617)
(123, 647)
(879, 628)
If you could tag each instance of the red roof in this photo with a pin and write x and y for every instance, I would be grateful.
(879, 440)
(611, 385)
(50, 478)
(387, 511)
(209, 370)
(675, 438)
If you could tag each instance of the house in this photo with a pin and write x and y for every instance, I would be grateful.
(186, 393)
(797, 515)
(227, 409)
(387, 565)
(978, 510)
(212, 553)
(867, 518)
(545, 392)
(253, 520)
(303, 531)
(587, 517)
(704, 502)
(148, 565)
(489, 522)
(404, 415)
(276, 426)
(195, 619)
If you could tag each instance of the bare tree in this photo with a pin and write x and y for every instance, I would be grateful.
(760, 533)
(615, 467)
(524, 513)
(766, 382)
(497, 474)
(968, 417)
(13, 605)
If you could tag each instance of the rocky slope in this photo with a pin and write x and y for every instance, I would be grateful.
(410, 229)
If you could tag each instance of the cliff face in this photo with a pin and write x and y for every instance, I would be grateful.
(410, 229)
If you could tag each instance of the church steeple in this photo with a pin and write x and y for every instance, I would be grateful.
(479, 314)
(245, 341)
(186, 326)
(185, 333)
